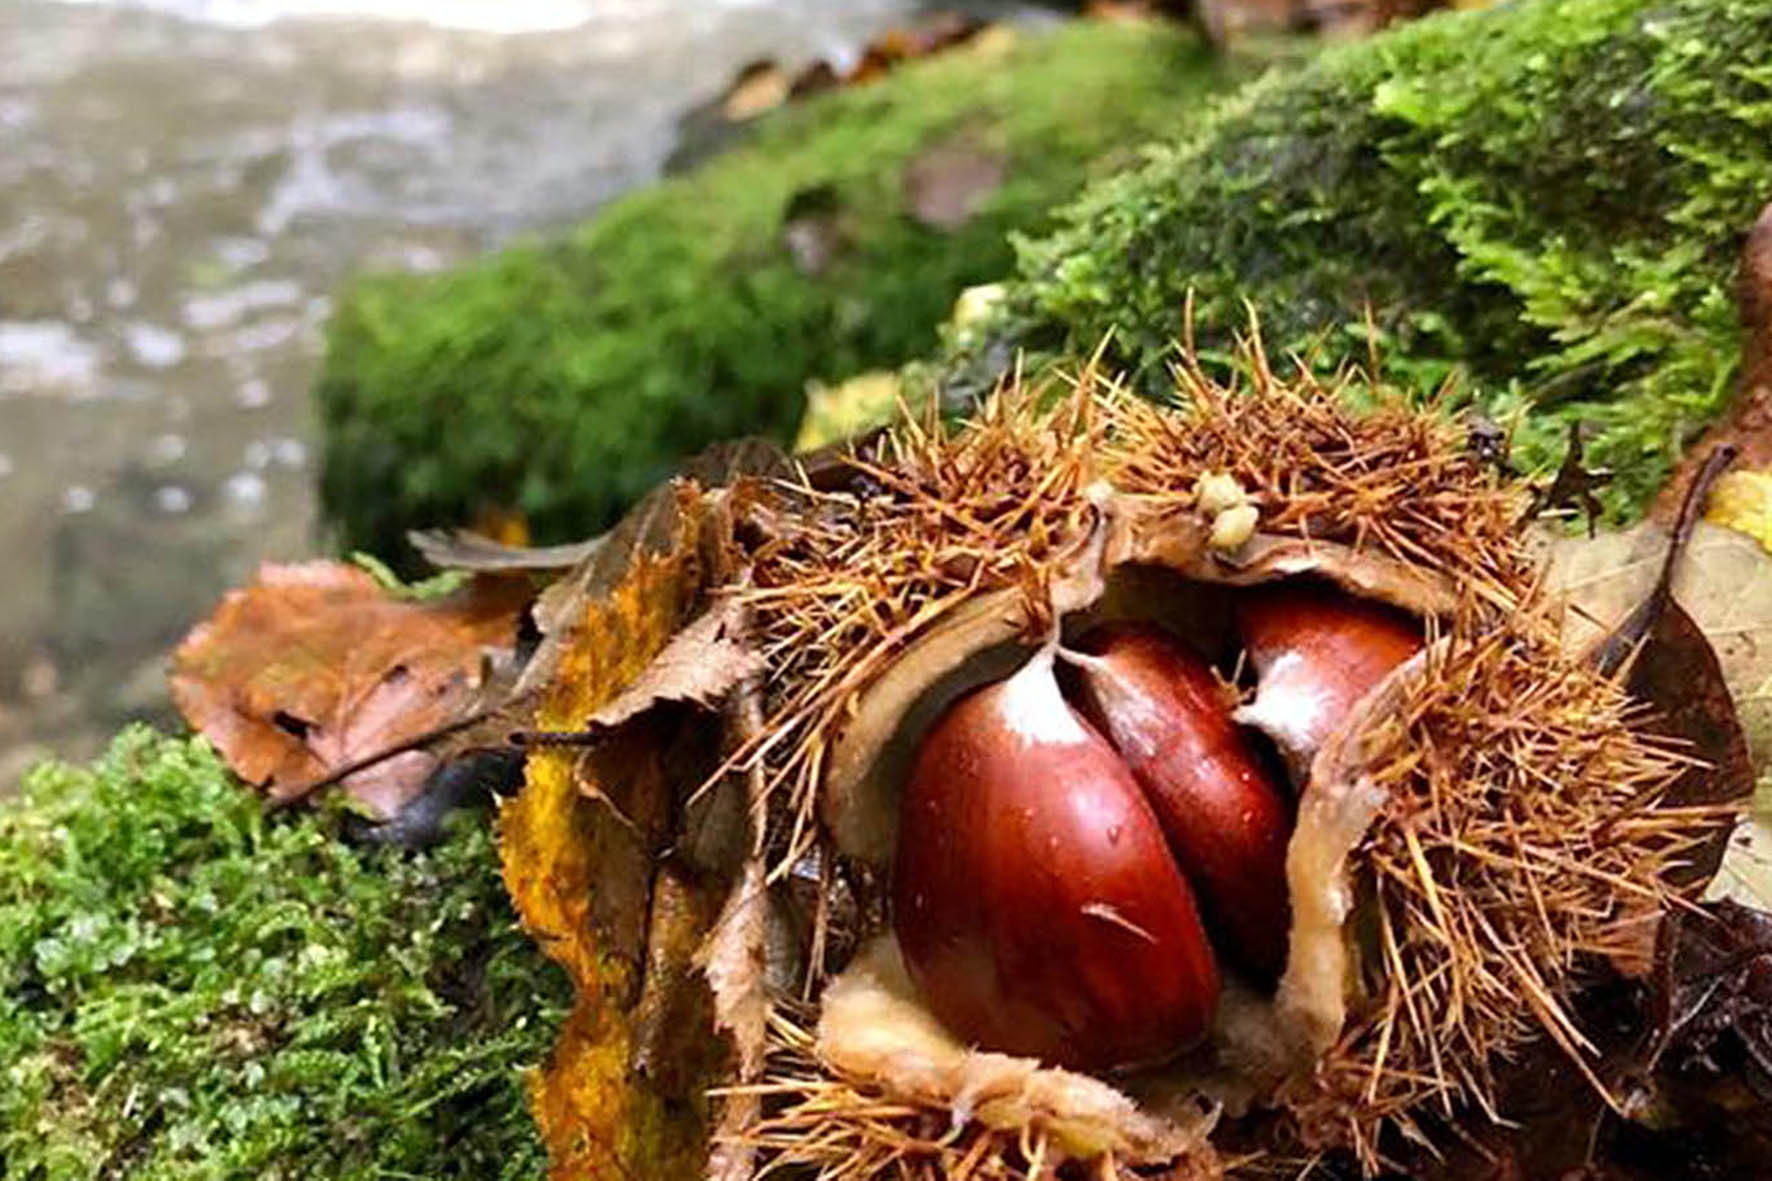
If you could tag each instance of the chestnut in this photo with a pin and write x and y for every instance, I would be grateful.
(1316, 651)
(1036, 901)
(1166, 713)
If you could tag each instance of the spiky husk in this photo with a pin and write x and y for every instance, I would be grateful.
(1393, 478)
(848, 578)
(945, 513)
(1517, 845)
(1523, 844)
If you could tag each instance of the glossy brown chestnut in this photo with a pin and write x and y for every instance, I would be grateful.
(1165, 712)
(1316, 652)
(1037, 904)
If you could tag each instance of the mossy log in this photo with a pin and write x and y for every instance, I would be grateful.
(1549, 195)
(561, 379)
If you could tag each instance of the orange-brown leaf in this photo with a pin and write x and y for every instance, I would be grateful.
(314, 665)
(946, 184)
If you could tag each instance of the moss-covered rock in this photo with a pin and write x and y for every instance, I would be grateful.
(1550, 193)
(563, 378)
(189, 988)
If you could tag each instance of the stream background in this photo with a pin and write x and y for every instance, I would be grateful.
(184, 184)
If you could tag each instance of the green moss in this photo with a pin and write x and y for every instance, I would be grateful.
(189, 988)
(564, 378)
(1549, 194)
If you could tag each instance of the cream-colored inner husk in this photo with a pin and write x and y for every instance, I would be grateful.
(874, 1029)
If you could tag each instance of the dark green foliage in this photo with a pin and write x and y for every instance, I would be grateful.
(1549, 193)
(563, 379)
(190, 989)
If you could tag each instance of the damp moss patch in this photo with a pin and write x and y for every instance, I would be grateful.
(190, 988)
(1547, 196)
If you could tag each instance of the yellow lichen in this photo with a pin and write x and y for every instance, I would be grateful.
(1742, 501)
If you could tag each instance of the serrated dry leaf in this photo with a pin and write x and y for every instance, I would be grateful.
(312, 666)
(701, 665)
(651, 528)
(736, 969)
(734, 961)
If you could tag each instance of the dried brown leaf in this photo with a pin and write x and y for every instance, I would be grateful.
(672, 1049)
(1724, 583)
(313, 666)
(949, 182)
(1714, 988)
(464, 549)
(1714, 650)
(1676, 672)
(736, 969)
(651, 529)
(760, 86)
(932, 34)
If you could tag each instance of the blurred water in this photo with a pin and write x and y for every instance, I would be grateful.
(184, 182)
(507, 16)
